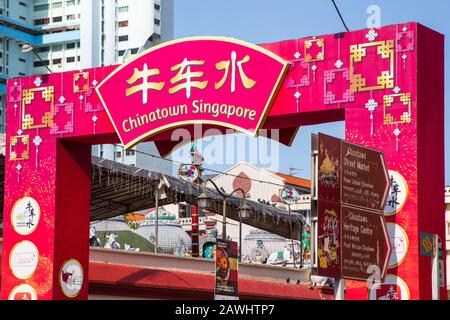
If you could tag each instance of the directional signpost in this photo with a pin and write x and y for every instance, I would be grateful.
(352, 241)
(365, 243)
(365, 186)
(365, 179)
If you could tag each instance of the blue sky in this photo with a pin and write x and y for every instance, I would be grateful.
(260, 21)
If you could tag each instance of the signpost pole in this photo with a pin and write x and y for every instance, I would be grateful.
(339, 289)
(224, 219)
(156, 219)
(292, 238)
(240, 238)
(435, 268)
(314, 212)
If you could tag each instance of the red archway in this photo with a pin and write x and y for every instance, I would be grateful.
(386, 83)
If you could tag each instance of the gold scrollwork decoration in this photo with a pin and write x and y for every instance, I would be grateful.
(28, 121)
(385, 49)
(320, 56)
(13, 141)
(388, 100)
(77, 88)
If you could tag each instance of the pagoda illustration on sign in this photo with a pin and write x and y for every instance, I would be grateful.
(328, 170)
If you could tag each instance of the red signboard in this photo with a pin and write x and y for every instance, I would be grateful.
(231, 84)
(365, 243)
(226, 287)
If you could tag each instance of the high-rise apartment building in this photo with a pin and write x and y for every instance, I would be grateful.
(79, 34)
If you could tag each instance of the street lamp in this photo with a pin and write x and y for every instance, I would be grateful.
(244, 210)
(290, 196)
(160, 193)
(26, 48)
(244, 213)
(203, 202)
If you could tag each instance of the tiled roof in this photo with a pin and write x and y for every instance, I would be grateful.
(295, 181)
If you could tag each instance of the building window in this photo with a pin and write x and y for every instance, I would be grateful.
(70, 45)
(41, 7)
(123, 24)
(41, 21)
(70, 59)
(70, 17)
(184, 210)
(121, 53)
(37, 64)
(22, 60)
(134, 50)
(23, 4)
(23, 18)
(157, 7)
(43, 49)
(122, 9)
(57, 19)
(157, 22)
(70, 3)
(118, 154)
(57, 5)
(131, 152)
(57, 61)
(123, 38)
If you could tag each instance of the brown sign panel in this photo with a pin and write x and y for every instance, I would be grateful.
(365, 243)
(329, 168)
(365, 179)
(328, 239)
